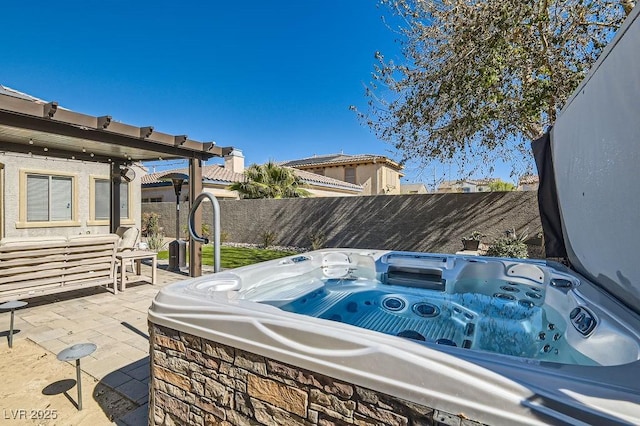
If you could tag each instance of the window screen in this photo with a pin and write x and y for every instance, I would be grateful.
(124, 200)
(61, 198)
(49, 198)
(37, 198)
(102, 196)
(350, 174)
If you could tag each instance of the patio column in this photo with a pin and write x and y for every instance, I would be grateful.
(114, 203)
(195, 188)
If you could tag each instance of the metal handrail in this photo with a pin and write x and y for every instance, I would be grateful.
(216, 226)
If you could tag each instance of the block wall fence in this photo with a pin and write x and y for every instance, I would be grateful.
(418, 222)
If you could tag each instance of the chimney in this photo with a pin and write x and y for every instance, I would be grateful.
(234, 161)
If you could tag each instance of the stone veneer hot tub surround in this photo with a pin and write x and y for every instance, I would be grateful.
(261, 310)
(198, 381)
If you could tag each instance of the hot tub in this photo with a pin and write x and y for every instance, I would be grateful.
(495, 341)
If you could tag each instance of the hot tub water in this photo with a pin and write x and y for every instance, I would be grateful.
(495, 323)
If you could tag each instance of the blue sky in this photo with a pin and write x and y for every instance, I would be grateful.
(274, 79)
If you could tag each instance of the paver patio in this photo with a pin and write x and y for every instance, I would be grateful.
(117, 324)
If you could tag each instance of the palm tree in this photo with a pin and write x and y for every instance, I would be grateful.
(269, 181)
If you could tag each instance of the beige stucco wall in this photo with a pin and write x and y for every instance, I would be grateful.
(82, 171)
(168, 195)
(318, 192)
(375, 178)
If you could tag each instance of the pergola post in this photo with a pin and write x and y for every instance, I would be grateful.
(114, 203)
(195, 188)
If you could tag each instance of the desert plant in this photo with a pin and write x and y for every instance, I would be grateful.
(268, 238)
(474, 236)
(317, 239)
(472, 242)
(155, 241)
(150, 224)
(205, 231)
(152, 231)
(510, 245)
(270, 181)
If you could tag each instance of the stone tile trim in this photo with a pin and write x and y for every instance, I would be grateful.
(196, 381)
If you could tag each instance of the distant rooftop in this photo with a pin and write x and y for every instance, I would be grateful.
(529, 180)
(213, 173)
(340, 159)
(218, 174)
(4, 90)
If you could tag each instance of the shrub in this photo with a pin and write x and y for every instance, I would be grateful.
(511, 245)
(150, 224)
(152, 231)
(205, 231)
(474, 236)
(317, 240)
(155, 241)
(268, 238)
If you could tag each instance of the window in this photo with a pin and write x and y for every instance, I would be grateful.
(350, 174)
(154, 200)
(100, 199)
(124, 200)
(47, 199)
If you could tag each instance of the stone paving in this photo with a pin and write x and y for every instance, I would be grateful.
(117, 324)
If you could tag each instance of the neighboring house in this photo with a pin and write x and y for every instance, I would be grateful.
(216, 179)
(528, 183)
(460, 185)
(375, 173)
(466, 185)
(46, 196)
(413, 188)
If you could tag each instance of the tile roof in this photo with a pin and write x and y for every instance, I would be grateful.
(483, 181)
(217, 173)
(314, 178)
(459, 182)
(529, 180)
(209, 173)
(336, 159)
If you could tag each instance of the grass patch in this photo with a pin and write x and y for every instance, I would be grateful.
(234, 257)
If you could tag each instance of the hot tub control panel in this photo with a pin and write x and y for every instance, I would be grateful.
(583, 320)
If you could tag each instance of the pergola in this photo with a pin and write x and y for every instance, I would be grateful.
(28, 126)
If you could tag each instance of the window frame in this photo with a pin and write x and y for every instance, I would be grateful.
(92, 221)
(355, 174)
(22, 209)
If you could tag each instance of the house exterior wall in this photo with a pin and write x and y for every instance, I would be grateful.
(167, 193)
(319, 192)
(413, 188)
(17, 164)
(528, 187)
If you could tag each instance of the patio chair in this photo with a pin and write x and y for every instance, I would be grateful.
(128, 238)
